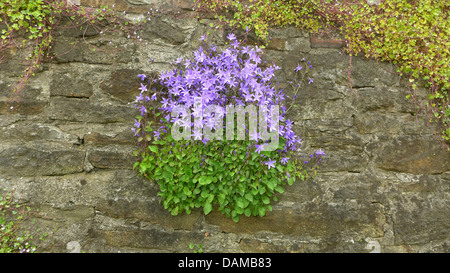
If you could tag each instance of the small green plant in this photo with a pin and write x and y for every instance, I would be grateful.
(30, 27)
(196, 248)
(12, 238)
(414, 36)
(260, 15)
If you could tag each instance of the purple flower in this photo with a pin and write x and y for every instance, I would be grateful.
(197, 135)
(320, 152)
(259, 148)
(255, 136)
(235, 43)
(143, 110)
(310, 81)
(142, 76)
(143, 88)
(270, 163)
(284, 160)
(231, 37)
(232, 76)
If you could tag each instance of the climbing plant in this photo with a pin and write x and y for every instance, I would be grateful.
(30, 27)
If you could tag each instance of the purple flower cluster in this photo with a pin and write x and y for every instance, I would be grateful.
(231, 77)
(235, 77)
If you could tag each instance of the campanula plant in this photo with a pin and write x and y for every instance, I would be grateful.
(223, 139)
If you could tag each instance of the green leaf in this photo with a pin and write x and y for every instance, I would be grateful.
(187, 191)
(167, 175)
(249, 197)
(240, 204)
(262, 211)
(135, 165)
(205, 180)
(153, 148)
(279, 189)
(207, 208)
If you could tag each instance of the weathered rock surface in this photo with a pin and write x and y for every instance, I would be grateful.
(383, 185)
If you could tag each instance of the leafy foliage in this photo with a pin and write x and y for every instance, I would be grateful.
(12, 239)
(196, 248)
(413, 35)
(238, 177)
(31, 26)
(260, 15)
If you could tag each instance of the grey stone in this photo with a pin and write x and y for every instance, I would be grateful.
(68, 86)
(369, 73)
(163, 29)
(82, 110)
(73, 247)
(382, 186)
(35, 132)
(67, 49)
(411, 154)
(40, 159)
(112, 157)
(123, 84)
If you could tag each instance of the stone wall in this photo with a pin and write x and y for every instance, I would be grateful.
(66, 150)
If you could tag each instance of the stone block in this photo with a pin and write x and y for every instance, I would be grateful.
(129, 235)
(322, 127)
(410, 154)
(123, 138)
(40, 159)
(35, 132)
(300, 44)
(150, 211)
(134, 6)
(82, 110)
(369, 73)
(24, 103)
(374, 122)
(163, 29)
(123, 84)
(371, 99)
(112, 157)
(420, 217)
(313, 220)
(277, 44)
(336, 161)
(67, 49)
(68, 86)
(327, 41)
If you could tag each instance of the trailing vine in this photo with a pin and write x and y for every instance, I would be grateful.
(31, 26)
